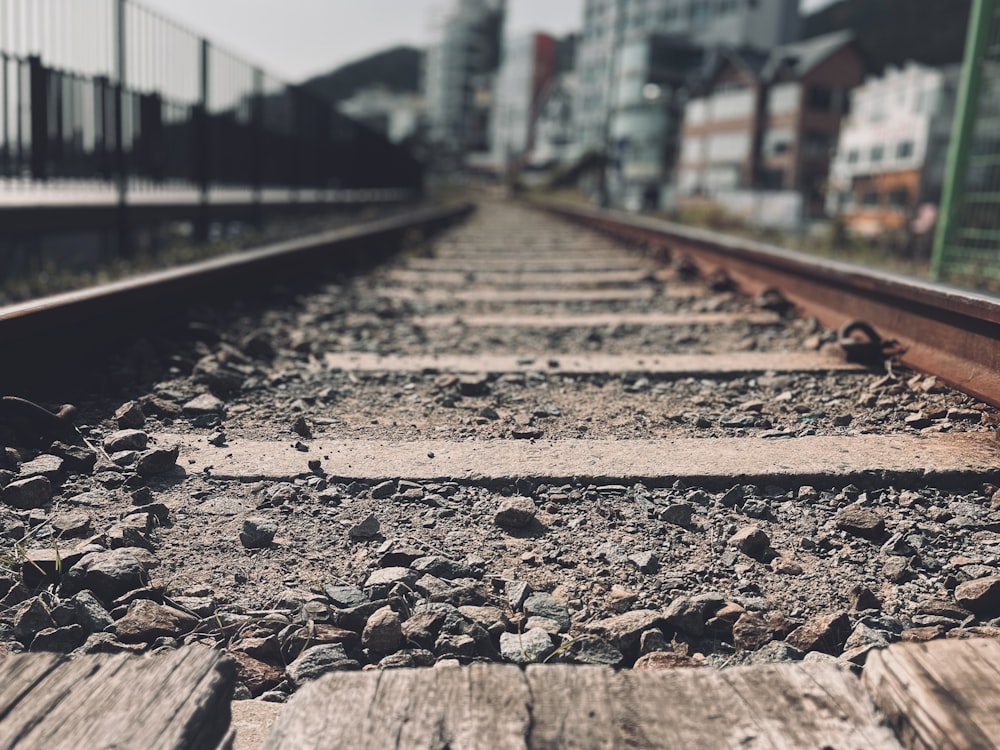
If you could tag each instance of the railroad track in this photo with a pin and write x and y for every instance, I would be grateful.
(520, 443)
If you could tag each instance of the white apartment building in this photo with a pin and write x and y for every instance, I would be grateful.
(465, 35)
(892, 151)
(526, 72)
(610, 25)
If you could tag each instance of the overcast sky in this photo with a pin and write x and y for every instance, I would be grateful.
(297, 38)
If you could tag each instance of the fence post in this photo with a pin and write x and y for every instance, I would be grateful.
(256, 145)
(37, 84)
(980, 28)
(121, 165)
(202, 144)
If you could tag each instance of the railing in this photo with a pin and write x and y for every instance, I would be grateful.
(968, 239)
(107, 101)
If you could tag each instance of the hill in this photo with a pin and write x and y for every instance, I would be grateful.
(894, 31)
(397, 69)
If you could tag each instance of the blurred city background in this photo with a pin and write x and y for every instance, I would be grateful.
(861, 129)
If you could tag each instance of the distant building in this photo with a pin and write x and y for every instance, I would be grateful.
(395, 115)
(555, 140)
(646, 113)
(527, 71)
(759, 133)
(893, 147)
(464, 48)
(610, 25)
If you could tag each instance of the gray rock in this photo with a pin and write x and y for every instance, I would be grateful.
(897, 569)
(546, 605)
(455, 646)
(750, 540)
(318, 661)
(624, 631)
(59, 640)
(258, 533)
(515, 512)
(108, 575)
(126, 440)
(158, 460)
(381, 581)
(545, 623)
(981, 596)
(203, 404)
(688, 614)
(383, 632)
(89, 613)
(73, 523)
(146, 621)
(678, 514)
(646, 562)
(444, 568)
(529, 647)
(46, 465)
(383, 490)
(27, 494)
(775, 651)
(367, 529)
(591, 650)
(517, 593)
(345, 597)
(825, 633)
(33, 616)
(857, 520)
(129, 416)
(407, 659)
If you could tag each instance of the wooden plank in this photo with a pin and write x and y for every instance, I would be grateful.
(587, 279)
(941, 694)
(610, 320)
(481, 707)
(179, 700)
(492, 295)
(572, 707)
(729, 364)
(957, 459)
(780, 707)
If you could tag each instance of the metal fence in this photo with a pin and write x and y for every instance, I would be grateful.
(109, 98)
(967, 246)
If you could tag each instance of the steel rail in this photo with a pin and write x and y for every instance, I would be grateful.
(948, 332)
(40, 340)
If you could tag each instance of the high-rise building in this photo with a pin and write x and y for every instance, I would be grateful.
(526, 72)
(464, 47)
(610, 25)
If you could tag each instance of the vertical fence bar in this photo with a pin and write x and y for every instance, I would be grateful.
(202, 141)
(980, 27)
(39, 114)
(120, 94)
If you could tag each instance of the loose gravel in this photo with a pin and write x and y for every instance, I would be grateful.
(107, 543)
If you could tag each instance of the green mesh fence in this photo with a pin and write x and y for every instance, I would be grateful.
(967, 245)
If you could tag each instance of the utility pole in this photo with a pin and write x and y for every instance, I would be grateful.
(617, 32)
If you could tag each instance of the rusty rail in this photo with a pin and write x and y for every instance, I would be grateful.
(42, 338)
(948, 332)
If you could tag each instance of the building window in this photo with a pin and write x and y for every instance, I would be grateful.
(904, 150)
(899, 198)
(699, 11)
(870, 198)
(853, 156)
(877, 153)
(819, 98)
